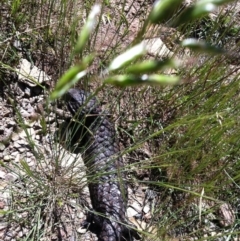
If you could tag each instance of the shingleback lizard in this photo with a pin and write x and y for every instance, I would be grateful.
(108, 191)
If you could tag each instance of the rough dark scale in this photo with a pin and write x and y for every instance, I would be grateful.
(108, 191)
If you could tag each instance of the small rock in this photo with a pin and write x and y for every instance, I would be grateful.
(15, 136)
(3, 225)
(137, 207)
(14, 154)
(7, 158)
(81, 230)
(157, 48)
(24, 103)
(17, 158)
(27, 92)
(29, 154)
(17, 44)
(20, 234)
(21, 150)
(213, 234)
(73, 203)
(11, 124)
(25, 231)
(22, 142)
(131, 212)
(2, 205)
(31, 163)
(16, 145)
(226, 214)
(9, 236)
(24, 215)
(3, 185)
(146, 209)
(80, 215)
(37, 124)
(29, 108)
(24, 113)
(11, 177)
(31, 74)
(6, 113)
(7, 136)
(2, 146)
(2, 174)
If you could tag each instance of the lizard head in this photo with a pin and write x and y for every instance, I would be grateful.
(82, 103)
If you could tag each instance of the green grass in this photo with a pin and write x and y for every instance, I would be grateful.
(181, 141)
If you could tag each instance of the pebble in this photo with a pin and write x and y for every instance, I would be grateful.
(137, 206)
(7, 113)
(22, 141)
(80, 215)
(30, 109)
(11, 177)
(3, 185)
(131, 212)
(5, 195)
(2, 205)
(24, 215)
(81, 230)
(27, 92)
(17, 158)
(16, 145)
(7, 158)
(20, 234)
(146, 209)
(26, 68)
(22, 134)
(22, 150)
(31, 163)
(11, 124)
(29, 154)
(2, 146)
(24, 113)
(14, 154)
(3, 225)
(227, 216)
(2, 174)
(15, 137)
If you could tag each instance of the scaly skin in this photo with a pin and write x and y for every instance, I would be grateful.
(107, 189)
